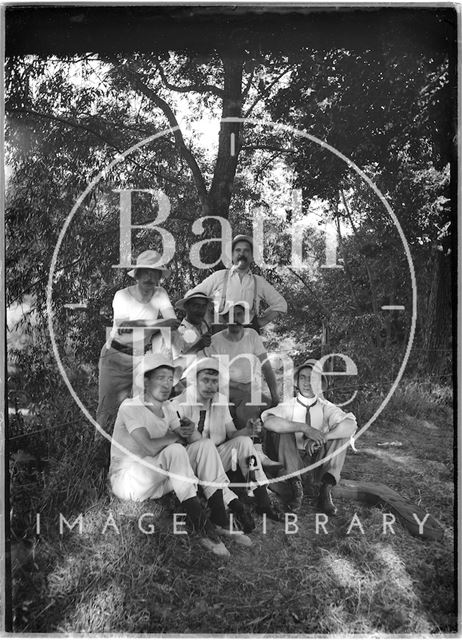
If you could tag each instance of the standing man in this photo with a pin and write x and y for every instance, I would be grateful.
(248, 360)
(239, 284)
(305, 430)
(203, 405)
(148, 459)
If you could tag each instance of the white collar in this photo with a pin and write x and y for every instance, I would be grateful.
(205, 406)
(306, 402)
(234, 269)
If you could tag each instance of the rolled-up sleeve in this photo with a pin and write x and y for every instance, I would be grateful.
(282, 410)
(334, 416)
(270, 296)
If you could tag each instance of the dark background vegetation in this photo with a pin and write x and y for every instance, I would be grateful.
(377, 84)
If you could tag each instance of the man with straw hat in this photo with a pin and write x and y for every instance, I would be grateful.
(204, 405)
(194, 332)
(136, 319)
(148, 459)
(306, 430)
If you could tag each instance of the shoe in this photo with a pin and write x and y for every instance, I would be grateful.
(245, 521)
(242, 516)
(295, 503)
(325, 503)
(271, 513)
(217, 548)
(236, 536)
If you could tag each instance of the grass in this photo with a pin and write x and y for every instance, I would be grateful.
(126, 581)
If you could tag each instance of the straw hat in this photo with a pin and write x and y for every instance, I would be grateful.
(153, 361)
(199, 295)
(150, 259)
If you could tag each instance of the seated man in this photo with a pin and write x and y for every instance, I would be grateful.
(308, 429)
(148, 459)
(247, 361)
(208, 409)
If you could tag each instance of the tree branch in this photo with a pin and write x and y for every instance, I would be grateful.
(266, 91)
(375, 308)
(69, 123)
(78, 125)
(313, 296)
(345, 263)
(265, 147)
(249, 83)
(139, 84)
(198, 88)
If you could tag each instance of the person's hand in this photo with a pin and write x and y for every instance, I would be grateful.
(122, 330)
(311, 447)
(187, 427)
(315, 435)
(204, 341)
(254, 426)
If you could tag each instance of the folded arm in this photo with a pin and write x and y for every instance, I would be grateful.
(282, 425)
(345, 429)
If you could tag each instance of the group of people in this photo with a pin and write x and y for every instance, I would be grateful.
(181, 419)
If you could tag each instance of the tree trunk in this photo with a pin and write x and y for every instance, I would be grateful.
(438, 326)
(219, 196)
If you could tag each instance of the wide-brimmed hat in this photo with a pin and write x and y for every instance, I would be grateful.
(242, 238)
(311, 363)
(150, 259)
(153, 361)
(201, 364)
(198, 295)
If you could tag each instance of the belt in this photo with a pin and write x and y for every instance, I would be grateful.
(125, 348)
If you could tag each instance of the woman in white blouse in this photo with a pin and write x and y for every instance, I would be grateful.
(135, 331)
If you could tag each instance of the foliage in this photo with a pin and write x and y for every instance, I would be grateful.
(386, 107)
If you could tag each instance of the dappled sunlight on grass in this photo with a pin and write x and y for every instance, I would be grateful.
(371, 582)
(97, 614)
(375, 585)
(407, 462)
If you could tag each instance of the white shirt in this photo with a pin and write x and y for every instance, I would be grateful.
(242, 290)
(133, 414)
(127, 307)
(218, 425)
(245, 365)
(324, 415)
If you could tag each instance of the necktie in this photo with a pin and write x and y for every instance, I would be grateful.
(308, 417)
(307, 414)
(200, 426)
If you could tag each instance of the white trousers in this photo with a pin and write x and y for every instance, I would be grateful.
(199, 460)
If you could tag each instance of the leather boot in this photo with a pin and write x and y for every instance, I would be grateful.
(242, 515)
(296, 486)
(325, 503)
(217, 509)
(263, 505)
